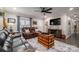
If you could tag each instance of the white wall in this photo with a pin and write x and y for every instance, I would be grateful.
(14, 25)
(40, 24)
(72, 21)
(66, 29)
(65, 25)
(1, 22)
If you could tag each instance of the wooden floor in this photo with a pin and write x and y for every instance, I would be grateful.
(72, 40)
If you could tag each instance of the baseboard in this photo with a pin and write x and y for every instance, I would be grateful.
(69, 36)
(77, 32)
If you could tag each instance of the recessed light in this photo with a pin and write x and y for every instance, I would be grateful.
(71, 9)
(14, 8)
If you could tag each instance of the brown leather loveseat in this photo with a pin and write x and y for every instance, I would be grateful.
(30, 34)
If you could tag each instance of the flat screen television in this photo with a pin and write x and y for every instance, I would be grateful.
(56, 21)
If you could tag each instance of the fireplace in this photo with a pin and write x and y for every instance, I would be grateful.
(55, 32)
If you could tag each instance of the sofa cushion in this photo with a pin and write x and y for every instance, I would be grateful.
(36, 30)
(27, 31)
(2, 35)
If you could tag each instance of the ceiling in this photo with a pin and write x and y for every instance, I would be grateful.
(34, 12)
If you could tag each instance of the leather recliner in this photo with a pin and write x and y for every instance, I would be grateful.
(3, 36)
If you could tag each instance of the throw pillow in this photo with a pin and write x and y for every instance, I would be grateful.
(27, 31)
(36, 30)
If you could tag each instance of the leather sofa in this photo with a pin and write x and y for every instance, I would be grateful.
(30, 34)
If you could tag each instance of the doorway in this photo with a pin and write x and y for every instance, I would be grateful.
(74, 39)
(77, 27)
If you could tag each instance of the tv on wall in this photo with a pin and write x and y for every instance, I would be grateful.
(56, 21)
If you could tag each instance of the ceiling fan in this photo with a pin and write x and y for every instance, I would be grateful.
(46, 10)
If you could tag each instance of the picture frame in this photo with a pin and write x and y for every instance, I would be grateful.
(11, 20)
(35, 22)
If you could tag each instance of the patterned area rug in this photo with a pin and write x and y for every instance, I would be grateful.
(58, 47)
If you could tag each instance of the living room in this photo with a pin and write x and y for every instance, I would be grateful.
(56, 23)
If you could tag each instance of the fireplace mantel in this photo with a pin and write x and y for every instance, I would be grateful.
(57, 33)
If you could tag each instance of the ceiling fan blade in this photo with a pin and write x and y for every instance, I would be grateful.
(48, 12)
(49, 9)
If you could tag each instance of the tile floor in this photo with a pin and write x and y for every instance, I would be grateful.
(59, 46)
(37, 47)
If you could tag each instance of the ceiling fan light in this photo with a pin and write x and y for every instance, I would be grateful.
(71, 9)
